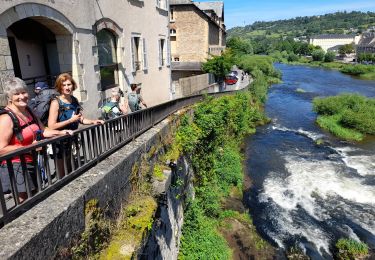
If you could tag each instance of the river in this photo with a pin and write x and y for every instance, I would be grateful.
(307, 194)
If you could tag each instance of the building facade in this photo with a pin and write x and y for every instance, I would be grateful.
(103, 44)
(196, 31)
(367, 43)
(332, 42)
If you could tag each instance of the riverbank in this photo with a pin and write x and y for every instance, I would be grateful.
(365, 72)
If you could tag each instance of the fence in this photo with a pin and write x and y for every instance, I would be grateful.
(71, 156)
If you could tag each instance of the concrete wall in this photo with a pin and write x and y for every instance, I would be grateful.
(55, 222)
(74, 24)
(332, 44)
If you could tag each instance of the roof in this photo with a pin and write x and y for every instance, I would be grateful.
(367, 40)
(333, 36)
(180, 2)
(217, 7)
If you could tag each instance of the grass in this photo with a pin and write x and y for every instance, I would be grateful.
(331, 124)
(348, 249)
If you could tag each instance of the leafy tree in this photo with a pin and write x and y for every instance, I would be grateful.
(293, 57)
(318, 55)
(329, 56)
(240, 46)
(219, 65)
(346, 49)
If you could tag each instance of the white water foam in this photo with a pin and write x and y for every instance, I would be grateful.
(312, 179)
(364, 164)
(300, 131)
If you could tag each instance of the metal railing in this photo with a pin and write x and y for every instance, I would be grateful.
(54, 162)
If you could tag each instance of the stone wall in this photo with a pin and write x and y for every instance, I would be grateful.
(192, 27)
(55, 222)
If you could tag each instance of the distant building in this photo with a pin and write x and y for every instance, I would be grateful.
(196, 30)
(332, 42)
(103, 44)
(367, 43)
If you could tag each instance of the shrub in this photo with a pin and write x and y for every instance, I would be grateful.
(348, 116)
(329, 56)
(318, 55)
(348, 249)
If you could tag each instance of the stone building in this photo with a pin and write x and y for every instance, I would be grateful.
(366, 44)
(104, 44)
(196, 30)
(332, 42)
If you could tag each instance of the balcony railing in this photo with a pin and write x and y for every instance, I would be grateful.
(216, 50)
(86, 148)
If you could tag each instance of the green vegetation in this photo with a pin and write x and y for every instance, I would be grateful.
(349, 249)
(212, 138)
(135, 221)
(348, 116)
(264, 34)
(219, 65)
(346, 49)
(96, 234)
(158, 173)
(366, 57)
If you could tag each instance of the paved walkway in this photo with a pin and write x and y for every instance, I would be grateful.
(240, 83)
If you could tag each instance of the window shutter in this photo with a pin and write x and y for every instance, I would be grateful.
(133, 54)
(160, 55)
(145, 65)
(168, 62)
(158, 3)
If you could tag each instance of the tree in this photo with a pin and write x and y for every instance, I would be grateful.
(318, 55)
(219, 65)
(293, 57)
(346, 49)
(240, 46)
(329, 56)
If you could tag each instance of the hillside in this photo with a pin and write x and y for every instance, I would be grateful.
(340, 22)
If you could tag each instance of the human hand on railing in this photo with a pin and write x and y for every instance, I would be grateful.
(97, 122)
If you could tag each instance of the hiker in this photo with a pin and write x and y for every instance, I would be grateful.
(41, 102)
(66, 113)
(114, 107)
(19, 127)
(135, 98)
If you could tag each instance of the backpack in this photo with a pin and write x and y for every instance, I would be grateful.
(133, 100)
(41, 103)
(111, 110)
(17, 128)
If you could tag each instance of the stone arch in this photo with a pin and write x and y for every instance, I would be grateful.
(39, 13)
(117, 31)
(46, 16)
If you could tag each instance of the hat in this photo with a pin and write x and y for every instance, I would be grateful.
(41, 85)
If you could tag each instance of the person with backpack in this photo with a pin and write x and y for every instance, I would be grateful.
(135, 98)
(41, 102)
(113, 108)
(65, 112)
(19, 127)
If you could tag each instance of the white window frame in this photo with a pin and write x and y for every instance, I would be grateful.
(141, 53)
(162, 4)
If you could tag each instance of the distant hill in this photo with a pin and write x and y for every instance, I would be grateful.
(335, 23)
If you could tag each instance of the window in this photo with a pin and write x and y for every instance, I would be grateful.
(164, 53)
(161, 52)
(172, 32)
(107, 59)
(162, 4)
(139, 53)
(172, 15)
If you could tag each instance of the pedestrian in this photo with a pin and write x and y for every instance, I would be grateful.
(114, 108)
(38, 87)
(66, 113)
(135, 98)
(19, 127)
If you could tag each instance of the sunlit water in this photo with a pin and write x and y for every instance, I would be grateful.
(304, 193)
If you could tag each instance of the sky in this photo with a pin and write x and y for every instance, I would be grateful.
(244, 12)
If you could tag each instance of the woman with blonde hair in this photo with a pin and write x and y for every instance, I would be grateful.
(19, 127)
